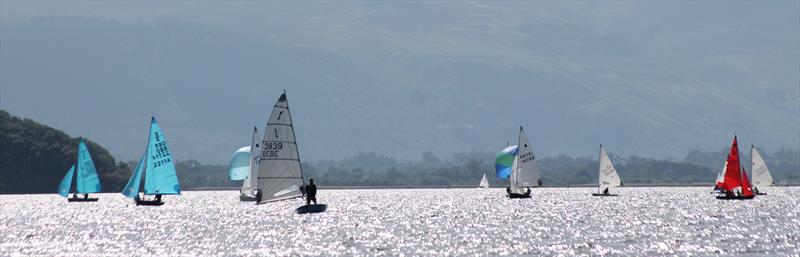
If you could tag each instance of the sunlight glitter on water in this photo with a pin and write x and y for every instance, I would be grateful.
(642, 221)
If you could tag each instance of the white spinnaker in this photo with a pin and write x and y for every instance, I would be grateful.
(607, 174)
(280, 175)
(484, 182)
(525, 170)
(761, 176)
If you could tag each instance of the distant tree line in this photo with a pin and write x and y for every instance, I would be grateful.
(35, 157)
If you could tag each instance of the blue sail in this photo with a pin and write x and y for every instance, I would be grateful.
(87, 174)
(160, 177)
(132, 188)
(66, 182)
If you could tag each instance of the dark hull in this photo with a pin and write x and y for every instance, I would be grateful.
(515, 196)
(725, 197)
(149, 202)
(245, 198)
(596, 194)
(81, 200)
(761, 193)
(313, 208)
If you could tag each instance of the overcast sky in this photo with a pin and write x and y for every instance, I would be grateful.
(646, 78)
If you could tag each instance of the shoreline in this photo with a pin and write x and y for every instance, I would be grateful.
(436, 187)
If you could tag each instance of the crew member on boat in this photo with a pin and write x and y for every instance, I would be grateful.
(311, 192)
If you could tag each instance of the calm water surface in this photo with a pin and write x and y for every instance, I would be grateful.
(440, 222)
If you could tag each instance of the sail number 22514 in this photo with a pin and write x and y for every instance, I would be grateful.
(271, 150)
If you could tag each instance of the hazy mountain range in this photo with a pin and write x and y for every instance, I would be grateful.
(402, 78)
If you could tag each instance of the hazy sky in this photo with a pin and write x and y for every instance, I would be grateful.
(646, 78)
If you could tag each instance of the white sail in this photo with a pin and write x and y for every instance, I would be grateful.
(484, 182)
(525, 170)
(607, 174)
(249, 184)
(761, 176)
(280, 175)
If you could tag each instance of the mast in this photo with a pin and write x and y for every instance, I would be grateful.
(291, 126)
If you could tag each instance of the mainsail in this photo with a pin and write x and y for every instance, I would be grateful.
(761, 176)
(484, 182)
(251, 183)
(607, 174)
(87, 181)
(280, 175)
(525, 170)
(732, 179)
(160, 176)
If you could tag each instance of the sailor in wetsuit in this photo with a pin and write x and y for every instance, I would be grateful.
(605, 192)
(311, 192)
(158, 198)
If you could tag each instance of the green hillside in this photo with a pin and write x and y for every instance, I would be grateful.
(34, 158)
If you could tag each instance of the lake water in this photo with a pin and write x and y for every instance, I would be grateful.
(433, 222)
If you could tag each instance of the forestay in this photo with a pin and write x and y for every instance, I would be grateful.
(280, 174)
(607, 174)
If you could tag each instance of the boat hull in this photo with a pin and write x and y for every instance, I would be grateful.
(313, 208)
(77, 200)
(149, 202)
(596, 194)
(245, 198)
(725, 197)
(761, 193)
(516, 196)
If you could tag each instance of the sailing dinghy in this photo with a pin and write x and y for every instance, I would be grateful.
(157, 170)
(735, 184)
(761, 176)
(85, 176)
(280, 174)
(484, 182)
(607, 175)
(239, 170)
(524, 169)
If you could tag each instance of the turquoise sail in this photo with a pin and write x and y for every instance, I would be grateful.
(160, 177)
(66, 182)
(132, 188)
(87, 181)
(239, 167)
